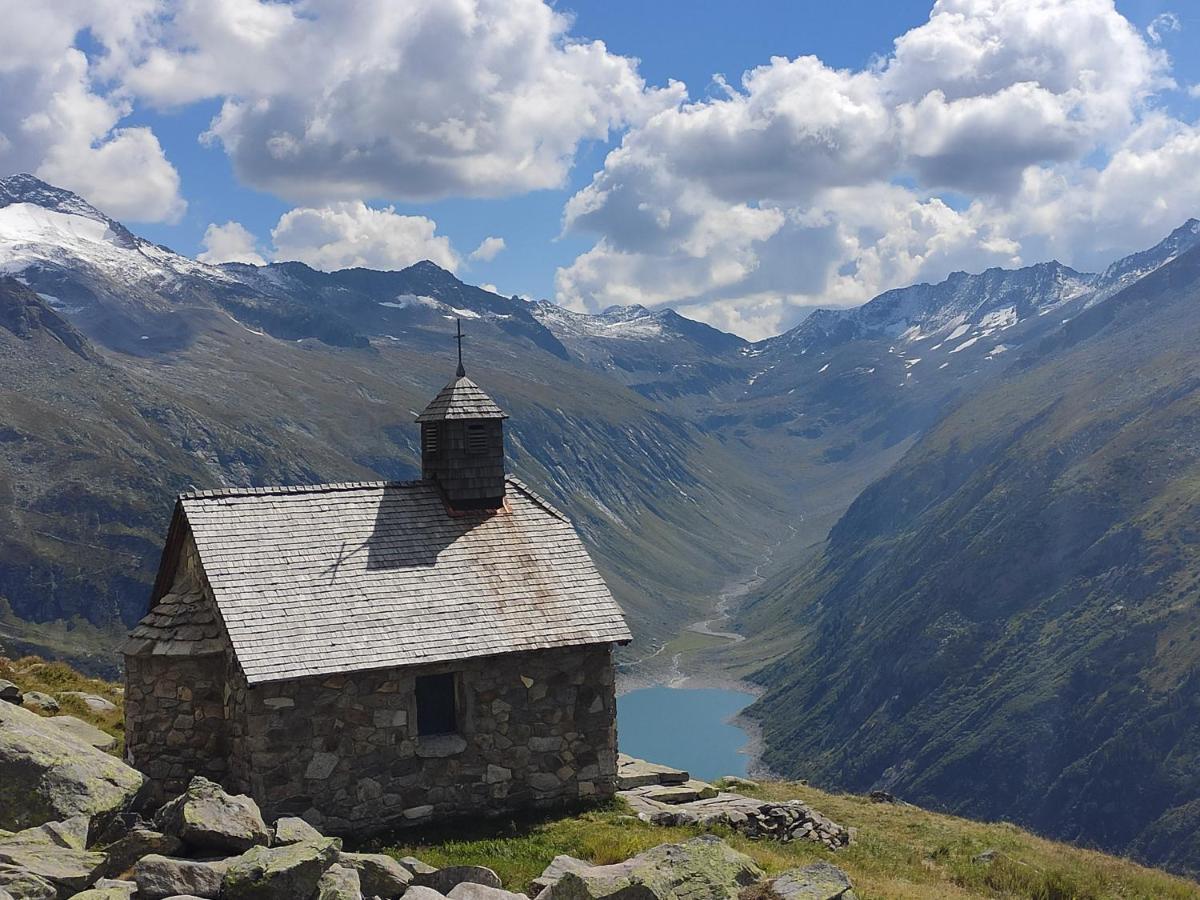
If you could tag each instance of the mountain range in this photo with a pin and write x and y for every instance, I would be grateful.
(977, 494)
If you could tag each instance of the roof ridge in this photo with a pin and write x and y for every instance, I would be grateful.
(537, 498)
(281, 489)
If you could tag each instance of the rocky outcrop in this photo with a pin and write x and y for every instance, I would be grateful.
(84, 731)
(703, 868)
(46, 774)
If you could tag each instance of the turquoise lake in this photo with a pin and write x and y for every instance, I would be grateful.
(684, 727)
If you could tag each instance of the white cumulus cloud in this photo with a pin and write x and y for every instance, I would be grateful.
(351, 234)
(324, 100)
(60, 120)
(994, 133)
(231, 242)
(488, 249)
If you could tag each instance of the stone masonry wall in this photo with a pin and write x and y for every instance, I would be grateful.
(535, 729)
(175, 720)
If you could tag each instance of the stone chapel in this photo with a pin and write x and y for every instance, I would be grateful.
(373, 654)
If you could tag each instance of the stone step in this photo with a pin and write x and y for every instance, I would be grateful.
(688, 792)
(634, 773)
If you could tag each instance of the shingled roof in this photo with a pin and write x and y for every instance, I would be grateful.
(461, 399)
(337, 578)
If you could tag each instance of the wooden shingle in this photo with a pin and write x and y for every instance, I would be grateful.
(343, 577)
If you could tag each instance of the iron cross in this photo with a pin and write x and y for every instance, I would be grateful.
(458, 337)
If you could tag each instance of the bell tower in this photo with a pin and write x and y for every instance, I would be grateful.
(462, 443)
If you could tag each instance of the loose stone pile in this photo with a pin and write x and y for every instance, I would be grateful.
(664, 796)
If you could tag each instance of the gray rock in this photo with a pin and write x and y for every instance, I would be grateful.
(40, 701)
(68, 869)
(94, 702)
(9, 692)
(138, 842)
(71, 833)
(416, 892)
(48, 775)
(703, 868)
(445, 880)
(415, 866)
(205, 817)
(280, 873)
(293, 830)
(469, 891)
(558, 867)
(816, 881)
(21, 884)
(339, 883)
(107, 893)
(633, 772)
(86, 732)
(163, 876)
(379, 875)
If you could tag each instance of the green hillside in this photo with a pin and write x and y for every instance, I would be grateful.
(1007, 624)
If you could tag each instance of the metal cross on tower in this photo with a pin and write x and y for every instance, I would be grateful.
(458, 337)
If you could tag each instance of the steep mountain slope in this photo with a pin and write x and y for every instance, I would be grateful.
(1008, 623)
(128, 373)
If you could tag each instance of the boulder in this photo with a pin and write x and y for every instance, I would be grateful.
(470, 891)
(817, 881)
(207, 818)
(291, 830)
(339, 883)
(558, 867)
(9, 692)
(416, 892)
(280, 873)
(21, 884)
(72, 834)
(163, 876)
(94, 702)
(445, 880)
(48, 775)
(379, 875)
(86, 732)
(702, 868)
(68, 869)
(139, 841)
(112, 892)
(43, 702)
(415, 866)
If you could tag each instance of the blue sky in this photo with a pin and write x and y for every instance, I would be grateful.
(729, 239)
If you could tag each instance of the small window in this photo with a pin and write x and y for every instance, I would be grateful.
(436, 712)
(477, 439)
(429, 437)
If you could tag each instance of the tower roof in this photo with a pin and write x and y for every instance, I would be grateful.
(461, 399)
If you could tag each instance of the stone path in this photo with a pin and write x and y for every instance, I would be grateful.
(661, 795)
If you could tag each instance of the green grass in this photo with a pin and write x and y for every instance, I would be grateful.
(900, 853)
(31, 673)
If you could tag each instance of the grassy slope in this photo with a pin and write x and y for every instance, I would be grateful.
(1007, 623)
(901, 853)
